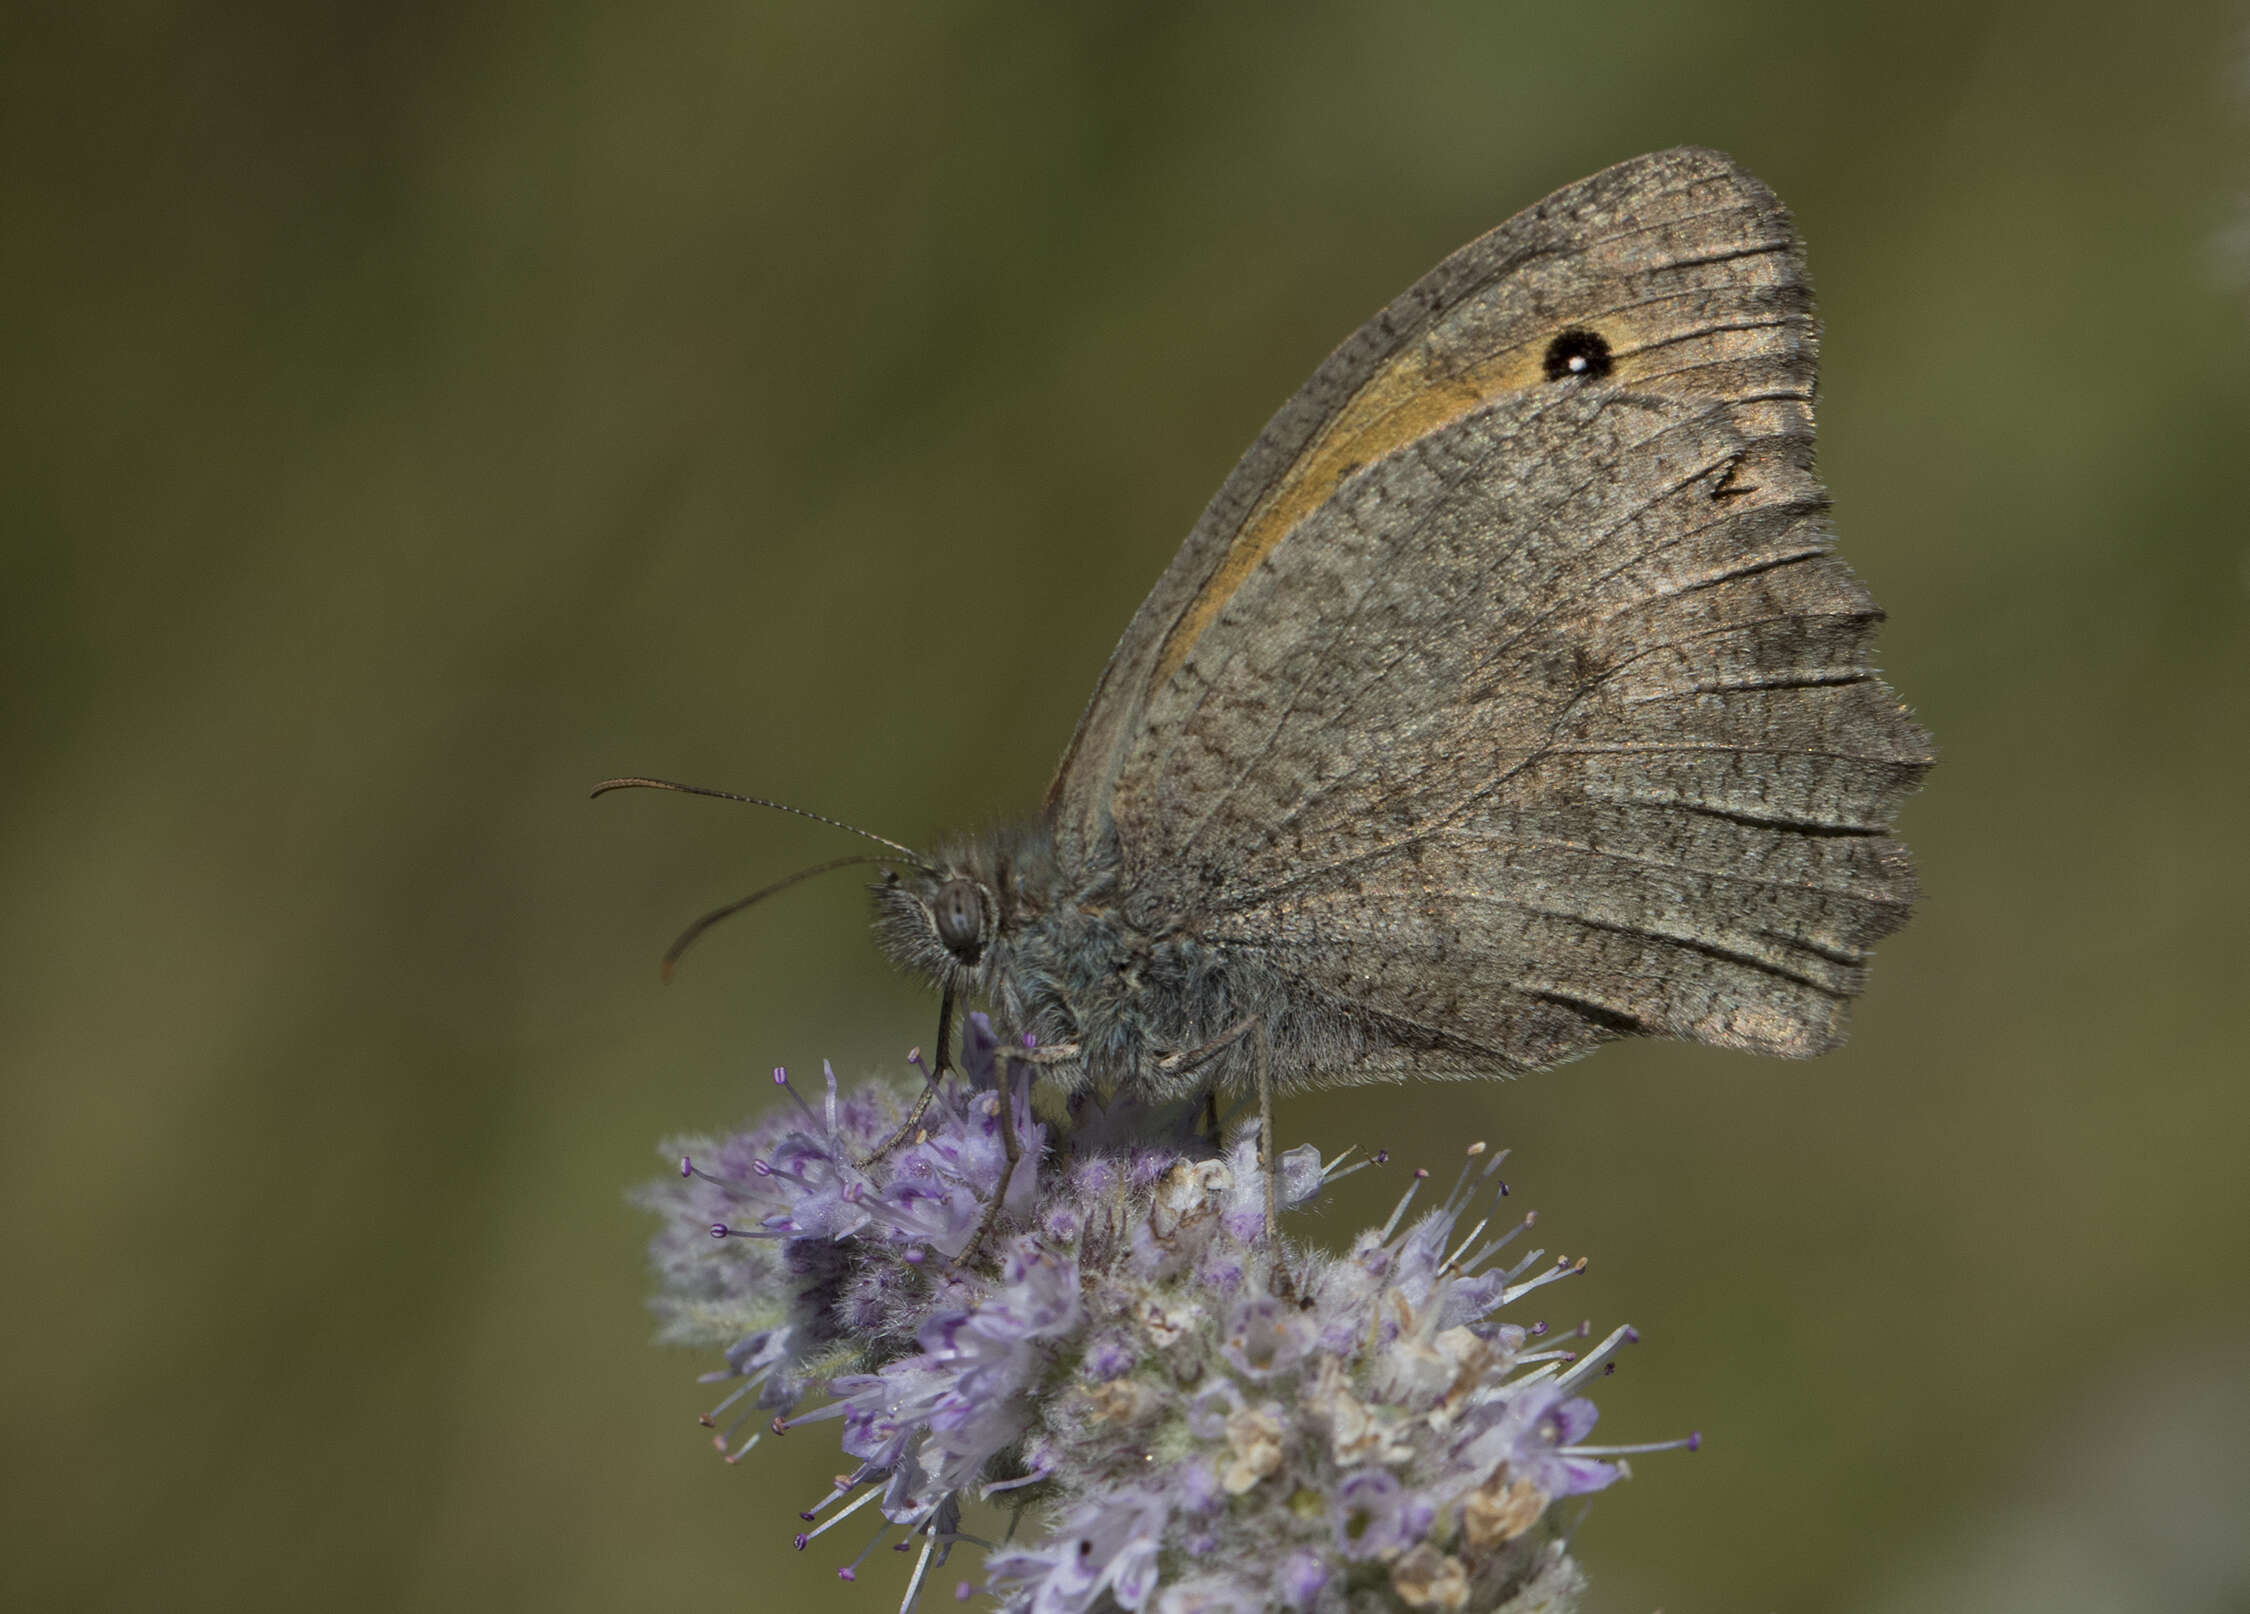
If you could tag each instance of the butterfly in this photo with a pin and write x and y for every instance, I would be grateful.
(1507, 699)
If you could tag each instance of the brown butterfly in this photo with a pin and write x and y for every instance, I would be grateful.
(1508, 698)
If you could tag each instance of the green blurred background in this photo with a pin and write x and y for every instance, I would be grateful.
(416, 413)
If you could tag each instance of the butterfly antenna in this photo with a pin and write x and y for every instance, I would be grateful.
(608, 785)
(687, 937)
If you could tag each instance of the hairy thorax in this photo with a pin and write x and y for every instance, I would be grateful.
(1059, 957)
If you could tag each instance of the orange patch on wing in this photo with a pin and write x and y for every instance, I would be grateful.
(1422, 390)
(1417, 393)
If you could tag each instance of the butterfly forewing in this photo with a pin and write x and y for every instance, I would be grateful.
(1507, 696)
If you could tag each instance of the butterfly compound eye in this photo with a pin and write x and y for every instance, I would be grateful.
(1577, 352)
(959, 915)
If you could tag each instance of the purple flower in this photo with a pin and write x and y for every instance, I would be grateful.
(1265, 1335)
(1188, 1416)
(1369, 1514)
(1303, 1577)
(1108, 1544)
(1537, 1435)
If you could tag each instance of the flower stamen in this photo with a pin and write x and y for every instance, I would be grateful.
(806, 1538)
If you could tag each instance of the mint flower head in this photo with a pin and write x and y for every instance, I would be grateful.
(1110, 1357)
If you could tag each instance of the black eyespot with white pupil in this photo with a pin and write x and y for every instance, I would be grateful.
(1578, 353)
(959, 915)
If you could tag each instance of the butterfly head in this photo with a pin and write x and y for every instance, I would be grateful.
(959, 917)
(940, 921)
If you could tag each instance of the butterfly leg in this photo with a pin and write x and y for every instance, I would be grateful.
(1011, 1147)
(1269, 1158)
(1189, 1058)
(936, 1073)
